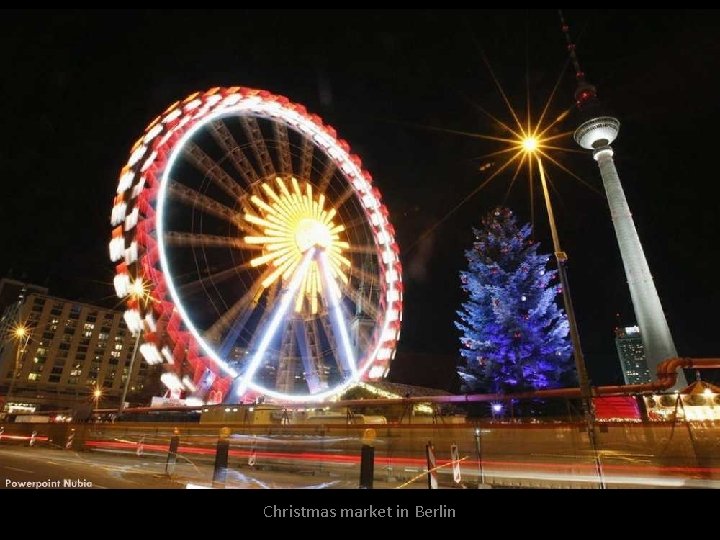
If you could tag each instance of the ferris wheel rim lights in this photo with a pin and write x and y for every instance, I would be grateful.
(179, 123)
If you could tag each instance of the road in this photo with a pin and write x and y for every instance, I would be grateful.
(133, 455)
(50, 468)
(55, 468)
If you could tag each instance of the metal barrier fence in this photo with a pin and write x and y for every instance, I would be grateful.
(491, 453)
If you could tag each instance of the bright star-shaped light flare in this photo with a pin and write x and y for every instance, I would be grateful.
(530, 144)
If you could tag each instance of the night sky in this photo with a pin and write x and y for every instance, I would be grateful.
(80, 87)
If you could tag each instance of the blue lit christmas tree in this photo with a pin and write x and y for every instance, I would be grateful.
(514, 335)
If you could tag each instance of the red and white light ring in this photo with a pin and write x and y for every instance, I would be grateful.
(137, 241)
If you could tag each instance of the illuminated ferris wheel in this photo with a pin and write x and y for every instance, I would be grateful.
(254, 253)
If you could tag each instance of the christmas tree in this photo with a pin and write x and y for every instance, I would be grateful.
(514, 336)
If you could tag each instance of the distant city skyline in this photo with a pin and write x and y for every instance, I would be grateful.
(373, 76)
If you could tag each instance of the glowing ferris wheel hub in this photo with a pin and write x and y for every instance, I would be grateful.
(254, 253)
(311, 233)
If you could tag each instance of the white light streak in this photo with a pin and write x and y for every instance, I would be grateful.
(336, 309)
(277, 317)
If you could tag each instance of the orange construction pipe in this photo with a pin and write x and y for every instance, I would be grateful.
(666, 376)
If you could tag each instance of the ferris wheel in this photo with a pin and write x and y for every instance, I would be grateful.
(254, 253)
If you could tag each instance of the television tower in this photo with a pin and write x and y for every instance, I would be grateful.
(597, 132)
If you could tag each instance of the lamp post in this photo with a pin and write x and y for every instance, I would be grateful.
(561, 258)
(478, 448)
(22, 334)
(139, 292)
(583, 379)
(129, 374)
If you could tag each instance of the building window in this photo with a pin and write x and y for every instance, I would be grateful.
(33, 376)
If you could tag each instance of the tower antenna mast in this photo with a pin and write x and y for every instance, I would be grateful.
(596, 132)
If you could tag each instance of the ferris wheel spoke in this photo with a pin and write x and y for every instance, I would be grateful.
(214, 172)
(207, 204)
(306, 159)
(283, 150)
(257, 142)
(193, 287)
(326, 176)
(355, 223)
(368, 279)
(349, 192)
(365, 249)
(245, 305)
(227, 142)
(184, 239)
(361, 302)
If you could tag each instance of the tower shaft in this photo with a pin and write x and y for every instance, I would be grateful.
(597, 133)
(657, 340)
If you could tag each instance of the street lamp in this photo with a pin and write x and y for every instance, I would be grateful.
(561, 257)
(22, 334)
(583, 379)
(97, 394)
(478, 448)
(530, 145)
(129, 374)
(139, 292)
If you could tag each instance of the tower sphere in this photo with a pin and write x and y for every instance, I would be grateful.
(597, 132)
